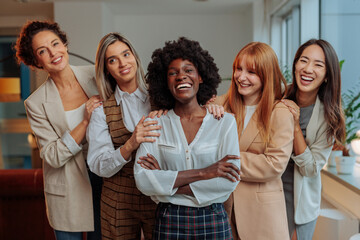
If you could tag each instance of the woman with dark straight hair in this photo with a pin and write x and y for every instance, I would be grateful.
(319, 121)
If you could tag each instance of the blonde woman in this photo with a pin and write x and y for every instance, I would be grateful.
(115, 132)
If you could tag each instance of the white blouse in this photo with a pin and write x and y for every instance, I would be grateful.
(214, 140)
(103, 159)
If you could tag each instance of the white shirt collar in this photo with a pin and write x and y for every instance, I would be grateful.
(120, 94)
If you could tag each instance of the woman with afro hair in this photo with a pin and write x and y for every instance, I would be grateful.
(194, 165)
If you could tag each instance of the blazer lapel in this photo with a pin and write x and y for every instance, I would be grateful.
(86, 80)
(54, 108)
(314, 120)
(249, 134)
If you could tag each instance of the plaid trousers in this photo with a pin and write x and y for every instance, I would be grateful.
(181, 222)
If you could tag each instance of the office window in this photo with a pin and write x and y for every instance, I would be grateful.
(340, 24)
(285, 33)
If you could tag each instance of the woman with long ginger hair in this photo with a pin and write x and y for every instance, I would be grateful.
(265, 127)
(319, 120)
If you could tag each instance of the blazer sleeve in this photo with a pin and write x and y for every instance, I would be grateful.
(54, 150)
(272, 161)
(313, 159)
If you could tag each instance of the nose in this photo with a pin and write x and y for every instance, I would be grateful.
(121, 63)
(241, 75)
(308, 68)
(180, 76)
(51, 52)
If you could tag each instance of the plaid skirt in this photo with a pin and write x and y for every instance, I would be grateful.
(181, 222)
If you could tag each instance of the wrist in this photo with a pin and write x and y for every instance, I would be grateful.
(85, 122)
(297, 128)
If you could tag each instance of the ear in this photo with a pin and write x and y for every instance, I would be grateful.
(200, 79)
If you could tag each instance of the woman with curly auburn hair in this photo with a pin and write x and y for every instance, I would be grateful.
(59, 112)
(265, 130)
(194, 165)
(319, 121)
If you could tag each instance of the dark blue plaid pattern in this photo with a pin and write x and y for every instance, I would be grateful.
(181, 222)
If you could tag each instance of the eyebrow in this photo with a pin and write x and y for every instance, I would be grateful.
(112, 56)
(44, 46)
(320, 61)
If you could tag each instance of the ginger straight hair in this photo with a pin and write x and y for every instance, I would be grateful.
(105, 82)
(262, 59)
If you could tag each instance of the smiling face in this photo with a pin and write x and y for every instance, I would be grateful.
(183, 80)
(248, 82)
(310, 70)
(121, 64)
(50, 52)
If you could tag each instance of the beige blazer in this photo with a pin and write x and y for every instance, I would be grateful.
(258, 201)
(66, 182)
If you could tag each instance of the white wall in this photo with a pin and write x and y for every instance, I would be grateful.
(222, 35)
(84, 24)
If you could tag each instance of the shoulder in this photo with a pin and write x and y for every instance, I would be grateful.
(38, 96)
(86, 70)
(84, 73)
(281, 116)
(281, 109)
(220, 100)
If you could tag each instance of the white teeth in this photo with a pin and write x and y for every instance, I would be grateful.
(306, 78)
(245, 85)
(184, 85)
(56, 60)
(125, 71)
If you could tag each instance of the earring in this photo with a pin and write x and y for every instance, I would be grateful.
(325, 80)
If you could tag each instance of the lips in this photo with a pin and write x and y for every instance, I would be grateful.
(306, 80)
(125, 71)
(183, 86)
(242, 84)
(56, 60)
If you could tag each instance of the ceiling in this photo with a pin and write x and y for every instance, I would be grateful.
(181, 7)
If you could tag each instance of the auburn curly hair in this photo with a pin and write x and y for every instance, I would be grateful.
(23, 46)
(185, 49)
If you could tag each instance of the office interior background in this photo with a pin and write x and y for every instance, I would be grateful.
(222, 27)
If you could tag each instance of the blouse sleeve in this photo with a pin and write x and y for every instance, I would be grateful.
(153, 182)
(216, 188)
(103, 159)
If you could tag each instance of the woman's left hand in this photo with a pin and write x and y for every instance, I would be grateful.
(216, 110)
(158, 113)
(90, 106)
(293, 108)
(149, 162)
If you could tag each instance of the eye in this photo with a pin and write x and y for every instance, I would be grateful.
(319, 65)
(55, 44)
(172, 73)
(41, 52)
(126, 54)
(112, 60)
(188, 70)
(303, 61)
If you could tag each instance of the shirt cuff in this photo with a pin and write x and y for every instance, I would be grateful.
(300, 159)
(119, 158)
(70, 143)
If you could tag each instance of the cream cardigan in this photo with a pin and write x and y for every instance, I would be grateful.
(307, 179)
